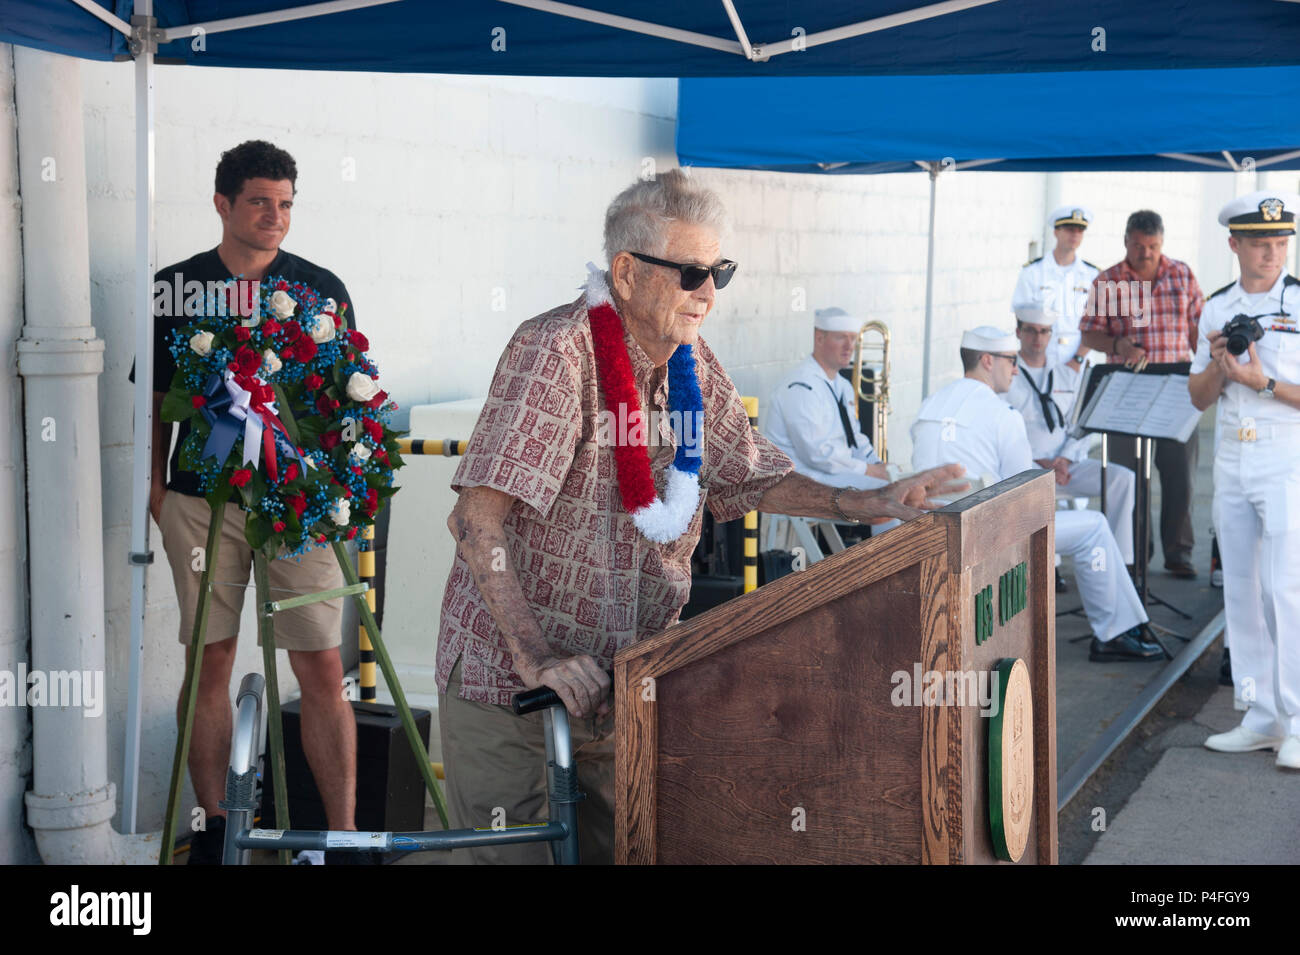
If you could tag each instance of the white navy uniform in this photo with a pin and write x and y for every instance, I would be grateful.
(1063, 290)
(1257, 508)
(804, 421)
(1059, 384)
(967, 422)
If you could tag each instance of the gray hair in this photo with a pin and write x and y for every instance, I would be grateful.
(635, 221)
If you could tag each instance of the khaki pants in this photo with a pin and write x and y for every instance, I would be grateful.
(496, 761)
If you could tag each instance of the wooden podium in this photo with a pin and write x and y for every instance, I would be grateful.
(801, 723)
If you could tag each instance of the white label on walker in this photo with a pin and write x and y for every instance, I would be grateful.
(265, 833)
(356, 840)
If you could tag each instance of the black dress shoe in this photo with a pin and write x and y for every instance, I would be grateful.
(1225, 670)
(1061, 586)
(1180, 569)
(1130, 645)
(206, 847)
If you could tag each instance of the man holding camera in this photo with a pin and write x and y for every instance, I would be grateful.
(1248, 361)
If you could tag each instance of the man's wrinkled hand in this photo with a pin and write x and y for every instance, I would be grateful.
(582, 685)
(911, 496)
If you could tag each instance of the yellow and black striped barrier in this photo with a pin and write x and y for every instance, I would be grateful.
(751, 519)
(448, 447)
(366, 571)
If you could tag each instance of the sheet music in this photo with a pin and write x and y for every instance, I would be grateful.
(1154, 406)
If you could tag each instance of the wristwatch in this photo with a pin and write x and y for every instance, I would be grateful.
(1267, 390)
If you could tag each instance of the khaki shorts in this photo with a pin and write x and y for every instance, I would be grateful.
(496, 761)
(317, 626)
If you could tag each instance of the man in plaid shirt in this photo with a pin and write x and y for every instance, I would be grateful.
(1141, 310)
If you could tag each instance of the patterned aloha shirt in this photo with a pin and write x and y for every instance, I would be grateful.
(594, 582)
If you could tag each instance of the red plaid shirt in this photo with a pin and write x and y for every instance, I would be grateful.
(1161, 316)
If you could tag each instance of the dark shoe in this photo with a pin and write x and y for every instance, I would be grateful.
(1131, 645)
(206, 847)
(1180, 569)
(1061, 586)
(1225, 670)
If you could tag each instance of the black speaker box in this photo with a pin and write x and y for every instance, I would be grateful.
(390, 789)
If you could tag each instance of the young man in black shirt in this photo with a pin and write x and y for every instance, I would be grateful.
(254, 198)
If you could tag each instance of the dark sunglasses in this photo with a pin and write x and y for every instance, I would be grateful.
(693, 276)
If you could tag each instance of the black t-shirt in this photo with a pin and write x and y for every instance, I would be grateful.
(208, 267)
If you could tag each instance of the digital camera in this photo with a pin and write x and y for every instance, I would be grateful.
(1240, 331)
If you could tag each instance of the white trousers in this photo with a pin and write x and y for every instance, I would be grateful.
(1085, 481)
(1257, 522)
(1109, 598)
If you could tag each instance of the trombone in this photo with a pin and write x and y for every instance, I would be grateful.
(878, 397)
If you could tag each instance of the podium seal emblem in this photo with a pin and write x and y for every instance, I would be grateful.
(1011, 760)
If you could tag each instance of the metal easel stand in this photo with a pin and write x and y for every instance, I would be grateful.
(266, 609)
(1142, 541)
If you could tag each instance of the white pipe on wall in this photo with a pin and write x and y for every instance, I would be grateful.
(60, 358)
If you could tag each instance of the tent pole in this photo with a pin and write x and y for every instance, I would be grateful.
(933, 169)
(141, 471)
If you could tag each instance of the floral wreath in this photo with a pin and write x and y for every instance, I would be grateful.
(284, 409)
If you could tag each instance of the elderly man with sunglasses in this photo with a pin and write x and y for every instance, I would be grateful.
(609, 424)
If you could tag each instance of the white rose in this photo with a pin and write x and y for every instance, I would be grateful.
(202, 343)
(282, 304)
(323, 330)
(271, 362)
(361, 387)
(359, 453)
(341, 512)
(331, 305)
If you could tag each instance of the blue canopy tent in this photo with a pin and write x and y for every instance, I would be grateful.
(641, 38)
(879, 124)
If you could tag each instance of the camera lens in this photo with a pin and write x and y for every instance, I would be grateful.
(1238, 343)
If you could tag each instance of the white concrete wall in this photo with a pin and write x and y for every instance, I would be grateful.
(454, 208)
(16, 845)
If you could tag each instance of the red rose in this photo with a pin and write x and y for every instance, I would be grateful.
(356, 469)
(292, 331)
(352, 532)
(338, 322)
(291, 472)
(374, 430)
(330, 440)
(282, 285)
(247, 360)
(359, 340)
(242, 334)
(347, 492)
(298, 502)
(305, 349)
(198, 401)
(372, 502)
(241, 477)
(232, 366)
(270, 327)
(313, 381)
(377, 400)
(321, 539)
(326, 405)
(278, 526)
(381, 456)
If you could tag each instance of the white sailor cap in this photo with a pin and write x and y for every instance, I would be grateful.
(1070, 215)
(1261, 213)
(1035, 315)
(836, 320)
(988, 338)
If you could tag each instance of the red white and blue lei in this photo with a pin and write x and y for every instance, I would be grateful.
(659, 519)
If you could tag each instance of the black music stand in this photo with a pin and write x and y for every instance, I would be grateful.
(1142, 491)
